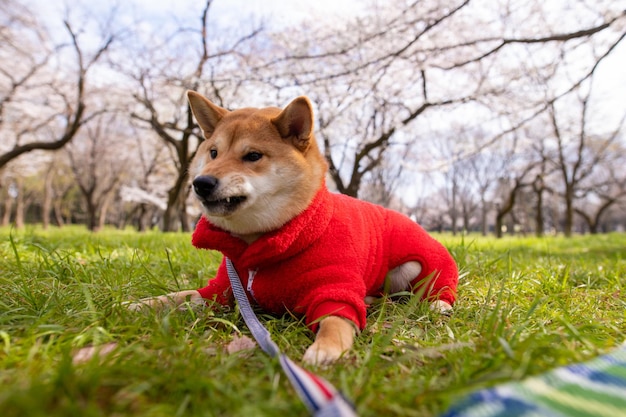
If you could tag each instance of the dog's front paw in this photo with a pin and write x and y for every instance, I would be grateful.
(133, 306)
(190, 299)
(334, 337)
(322, 354)
(141, 305)
(193, 301)
(441, 307)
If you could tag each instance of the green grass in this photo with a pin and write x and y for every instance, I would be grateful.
(525, 306)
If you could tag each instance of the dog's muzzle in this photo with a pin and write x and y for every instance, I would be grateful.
(205, 187)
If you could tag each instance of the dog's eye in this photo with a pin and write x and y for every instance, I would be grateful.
(213, 153)
(252, 156)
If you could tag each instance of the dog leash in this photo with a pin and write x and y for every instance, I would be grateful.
(319, 396)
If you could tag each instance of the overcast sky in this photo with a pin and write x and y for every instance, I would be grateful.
(276, 12)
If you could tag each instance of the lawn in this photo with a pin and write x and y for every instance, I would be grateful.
(526, 305)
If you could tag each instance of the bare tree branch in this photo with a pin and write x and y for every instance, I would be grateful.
(74, 114)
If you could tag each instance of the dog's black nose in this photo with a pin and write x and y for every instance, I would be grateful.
(204, 185)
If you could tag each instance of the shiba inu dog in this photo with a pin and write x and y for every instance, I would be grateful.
(260, 178)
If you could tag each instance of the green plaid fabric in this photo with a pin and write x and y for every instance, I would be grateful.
(593, 389)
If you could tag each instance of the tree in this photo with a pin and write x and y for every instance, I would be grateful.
(42, 101)
(193, 60)
(383, 185)
(57, 185)
(147, 192)
(389, 86)
(374, 79)
(604, 188)
(353, 81)
(482, 168)
(579, 152)
(99, 166)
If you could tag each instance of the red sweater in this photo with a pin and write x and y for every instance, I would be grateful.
(327, 259)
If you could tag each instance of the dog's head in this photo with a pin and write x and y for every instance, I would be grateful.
(257, 168)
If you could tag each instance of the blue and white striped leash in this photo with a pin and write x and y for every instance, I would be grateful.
(320, 397)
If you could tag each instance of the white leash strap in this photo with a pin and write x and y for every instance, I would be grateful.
(320, 397)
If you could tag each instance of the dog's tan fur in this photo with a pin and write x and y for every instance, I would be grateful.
(277, 186)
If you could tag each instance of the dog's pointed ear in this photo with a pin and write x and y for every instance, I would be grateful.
(206, 113)
(295, 122)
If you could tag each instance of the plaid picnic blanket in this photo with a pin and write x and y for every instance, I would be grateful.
(593, 389)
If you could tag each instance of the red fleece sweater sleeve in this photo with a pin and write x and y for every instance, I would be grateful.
(335, 308)
(340, 294)
(218, 289)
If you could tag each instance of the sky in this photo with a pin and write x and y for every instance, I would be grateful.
(278, 12)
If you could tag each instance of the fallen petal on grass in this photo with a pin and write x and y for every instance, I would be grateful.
(240, 343)
(87, 353)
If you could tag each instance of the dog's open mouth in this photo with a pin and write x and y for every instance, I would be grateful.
(223, 205)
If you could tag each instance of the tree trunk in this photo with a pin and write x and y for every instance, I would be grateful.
(8, 209)
(92, 217)
(47, 200)
(539, 230)
(507, 207)
(176, 206)
(102, 213)
(499, 222)
(58, 212)
(539, 221)
(19, 205)
(568, 224)
(483, 216)
(453, 212)
(169, 216)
